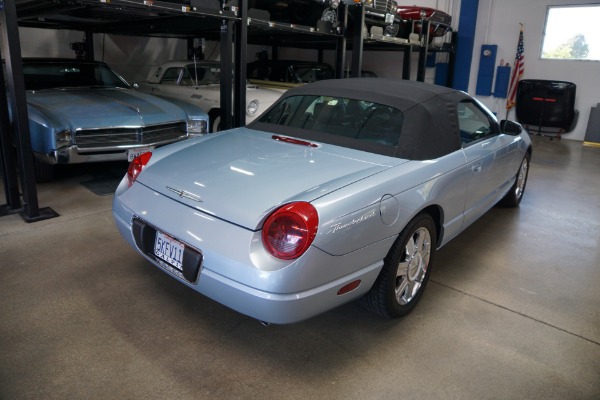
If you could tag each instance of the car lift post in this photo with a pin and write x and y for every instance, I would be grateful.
(16, 88)
(226, 78)
(7, 159)
(340, 44)
(241, 38)
(358, 12)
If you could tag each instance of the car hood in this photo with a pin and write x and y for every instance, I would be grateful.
(253, 92)
(242, 175)
(97, 108)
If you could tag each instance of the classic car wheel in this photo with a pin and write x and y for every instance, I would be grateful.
(405, 271)
(329, 15)
(515, 194)
(216, 125)
(304, 14)
(214, 120)
(392, 30)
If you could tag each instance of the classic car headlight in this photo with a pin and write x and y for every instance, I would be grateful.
(197, 126)
(63, 139)
(252, 107)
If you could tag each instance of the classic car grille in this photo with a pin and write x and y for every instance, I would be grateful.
(112, 137)
(388, 6)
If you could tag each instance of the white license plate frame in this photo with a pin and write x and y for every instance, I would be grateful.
(133, 153)
(169, 250)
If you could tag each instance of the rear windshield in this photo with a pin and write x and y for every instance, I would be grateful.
(298, 73)
(328, 119)
(308, 74)
(40, 76)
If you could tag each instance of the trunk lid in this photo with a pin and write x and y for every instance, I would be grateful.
(242, 175)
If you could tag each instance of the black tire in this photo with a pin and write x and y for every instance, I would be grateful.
(43, 172)
(392, 30)
(303, 14)
(405, 271)
(214, 120)
(329, 15)
(515, 194)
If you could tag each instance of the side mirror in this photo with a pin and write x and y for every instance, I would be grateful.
(510, 127)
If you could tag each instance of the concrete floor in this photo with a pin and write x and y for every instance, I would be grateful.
(512, 311)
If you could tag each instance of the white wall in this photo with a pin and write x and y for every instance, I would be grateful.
(47, 42)
(504, 17)
(130, 56)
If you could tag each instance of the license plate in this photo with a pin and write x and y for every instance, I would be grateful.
(133, 153)
(389, 18)
(168, 249)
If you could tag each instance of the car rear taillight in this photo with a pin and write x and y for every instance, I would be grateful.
(290, 230)
(136, 166)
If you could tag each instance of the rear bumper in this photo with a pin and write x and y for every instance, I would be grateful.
(230, 273)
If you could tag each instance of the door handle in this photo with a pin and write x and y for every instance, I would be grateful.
(476, 168)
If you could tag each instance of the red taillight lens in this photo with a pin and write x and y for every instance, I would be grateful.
(136, 167)
(290, 230)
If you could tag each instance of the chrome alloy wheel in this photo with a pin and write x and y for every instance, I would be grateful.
(412, 270)
(522, 178)
(329, 15)
(392, 30)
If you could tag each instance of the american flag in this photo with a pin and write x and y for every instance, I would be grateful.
(517, 73)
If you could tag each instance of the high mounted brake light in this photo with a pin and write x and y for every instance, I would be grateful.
(293, 141)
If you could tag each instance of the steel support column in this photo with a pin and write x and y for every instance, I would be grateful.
(406, 61)
(340, 43)
(226, 75)
(11, 49)
(241, 41)
(7, 157)
(89, 46)
(358, 13)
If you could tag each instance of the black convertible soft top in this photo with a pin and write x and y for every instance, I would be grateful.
(430, 128)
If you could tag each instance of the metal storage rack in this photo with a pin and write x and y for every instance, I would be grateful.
(217, 20)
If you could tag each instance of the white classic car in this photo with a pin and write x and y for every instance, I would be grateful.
(198, 82)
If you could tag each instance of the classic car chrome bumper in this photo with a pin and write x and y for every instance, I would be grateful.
(76, 155)
(381, 12)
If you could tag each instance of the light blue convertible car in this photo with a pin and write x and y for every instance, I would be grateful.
(342, 190)
(82, 111)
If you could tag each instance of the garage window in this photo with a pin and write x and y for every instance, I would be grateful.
(572, 33)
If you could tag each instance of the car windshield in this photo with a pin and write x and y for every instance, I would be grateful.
(63, 74)
(307, 74)
(201, 75)
(352, 119)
